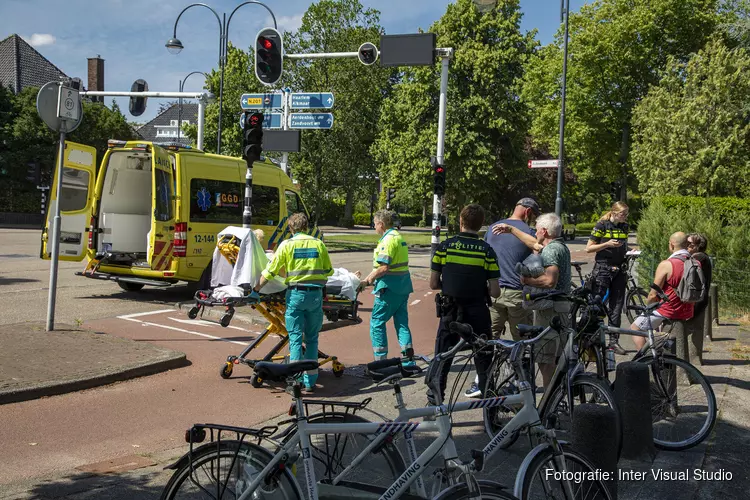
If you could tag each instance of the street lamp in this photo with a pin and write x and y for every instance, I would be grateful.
(564, 10)
(179, 107)
(174, 46)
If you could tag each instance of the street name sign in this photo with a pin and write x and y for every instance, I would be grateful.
(261, 101)
(311, 120)
(312, 100)
(543, 163)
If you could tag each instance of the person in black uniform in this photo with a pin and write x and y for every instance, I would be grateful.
(609, 239)
(465, 269)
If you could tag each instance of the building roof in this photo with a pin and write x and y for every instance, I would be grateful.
(189, 113)
(22, 66)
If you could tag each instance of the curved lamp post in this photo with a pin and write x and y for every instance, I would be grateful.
(179, 107)
(174, 46)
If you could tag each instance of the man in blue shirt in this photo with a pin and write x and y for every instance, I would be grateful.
(507, 308)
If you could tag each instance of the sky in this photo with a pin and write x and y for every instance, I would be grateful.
(130, 34)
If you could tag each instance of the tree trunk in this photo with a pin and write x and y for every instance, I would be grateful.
(624, 155)
(317, 198)
(424, 210)
(349, 207)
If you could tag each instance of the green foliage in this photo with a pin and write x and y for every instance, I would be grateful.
(585, 228)
(486, 123)
(693, 136)
(725, 209)
(363, 219)
(617, 50)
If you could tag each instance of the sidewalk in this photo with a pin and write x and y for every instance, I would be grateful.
(35, 363)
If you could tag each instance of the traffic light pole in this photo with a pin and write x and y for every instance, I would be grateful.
(445, 55)
(560, 167)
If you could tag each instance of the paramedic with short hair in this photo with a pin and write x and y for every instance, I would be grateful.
(392, 281)
(307, 266)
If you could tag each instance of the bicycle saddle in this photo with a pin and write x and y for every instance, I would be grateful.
(278, 371)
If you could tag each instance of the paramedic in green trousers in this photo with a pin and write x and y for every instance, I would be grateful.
(307, 266)
(392, 281)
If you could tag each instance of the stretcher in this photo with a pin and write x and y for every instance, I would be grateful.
(272, 307)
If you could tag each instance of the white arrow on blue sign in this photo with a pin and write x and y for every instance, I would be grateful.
(312, 100)
(270, 120)
(261, 101)
(311, 120)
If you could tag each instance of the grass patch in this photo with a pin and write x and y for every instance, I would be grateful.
(740, 351)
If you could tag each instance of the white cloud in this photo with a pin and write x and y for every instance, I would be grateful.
(41, 39)
(287, 23)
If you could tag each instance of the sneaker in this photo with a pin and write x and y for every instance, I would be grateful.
(618, 349)
(473, 391)
(308, 390)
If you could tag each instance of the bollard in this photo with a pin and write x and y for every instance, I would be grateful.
(713, 293)
(595, 435)
(708, 330)
(632, 394)
(694, 331)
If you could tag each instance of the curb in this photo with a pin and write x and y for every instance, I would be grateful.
(175, 360)
(215, 313)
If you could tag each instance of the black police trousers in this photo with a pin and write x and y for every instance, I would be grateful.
(613, 279)
(477, 315)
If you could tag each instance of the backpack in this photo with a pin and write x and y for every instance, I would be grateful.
(692, 285)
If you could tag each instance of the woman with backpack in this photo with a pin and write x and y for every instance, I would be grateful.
(609, 240)
(697, 244)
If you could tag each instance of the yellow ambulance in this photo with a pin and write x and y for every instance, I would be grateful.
(150, 215)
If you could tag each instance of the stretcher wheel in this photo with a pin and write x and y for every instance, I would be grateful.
(226, 318)
(193, 312)
(226, 370)
(338, 373)
(256, 381)
(338, 368)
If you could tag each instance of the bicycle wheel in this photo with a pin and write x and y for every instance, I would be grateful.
(587, 388)
(225, 472)
(634, 297)
(683, 406)
(489, 489)
(332, 453)
(539, 481)
(500, 382)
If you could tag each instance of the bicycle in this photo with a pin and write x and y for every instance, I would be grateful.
(545, 457)
(634, 295)
(569, 383)
(672, 413)
(254, 471)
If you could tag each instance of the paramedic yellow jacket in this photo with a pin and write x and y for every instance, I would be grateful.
(393, 250)
(305, 259)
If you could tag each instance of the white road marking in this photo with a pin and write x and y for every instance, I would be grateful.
(428, 294)
(414, 303)
(138, 315)
(203, 322)
(174, 328)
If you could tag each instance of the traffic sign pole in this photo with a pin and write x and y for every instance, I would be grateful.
(446, 55)
(285, 126)
(51, 298)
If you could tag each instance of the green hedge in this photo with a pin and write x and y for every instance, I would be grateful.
(726, 208)
(363, 219)
(585, 228)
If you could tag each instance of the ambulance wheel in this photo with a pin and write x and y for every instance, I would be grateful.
(226, 370)
(193, 312)
(256, 381)
(130, 287)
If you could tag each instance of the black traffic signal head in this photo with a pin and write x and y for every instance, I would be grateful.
(391, 193)
(367, 54)
(269, 52)
(439, 176)
(252, 135)
(137, 105)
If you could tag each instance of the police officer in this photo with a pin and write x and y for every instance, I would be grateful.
(465, 269)
(392, 281)
(307, 266)
(609, 240)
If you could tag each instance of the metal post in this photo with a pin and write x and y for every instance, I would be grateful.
(201, 120)
(222, 60)
(285, 97)
(560, 169)
(436, 201)
(179, 113)
(53, 265)
(247, 212)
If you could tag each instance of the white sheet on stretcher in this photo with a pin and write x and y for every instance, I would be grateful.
(252, 259)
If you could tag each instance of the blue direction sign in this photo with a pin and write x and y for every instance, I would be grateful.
(311, 120)
(270, 120)
(312, 100)
(261, 101)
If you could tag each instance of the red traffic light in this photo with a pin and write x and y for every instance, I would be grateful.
(266, 43)
(439, 169)
(254, 120)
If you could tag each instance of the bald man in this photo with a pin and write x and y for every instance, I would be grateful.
(667, 276)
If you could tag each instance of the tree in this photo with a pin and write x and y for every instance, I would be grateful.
(338, 161)
(486, 122)
(692, 131)
(617, 50)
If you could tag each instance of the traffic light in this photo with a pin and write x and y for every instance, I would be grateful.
(137, 105)
(252, 136)
(34, 172)
(269, 53)
(367, 54)
(614, 190)
(391, 193)
(439, 176)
